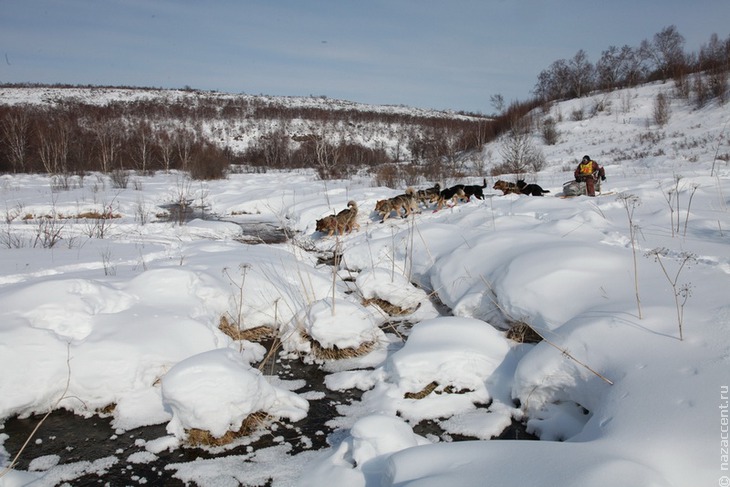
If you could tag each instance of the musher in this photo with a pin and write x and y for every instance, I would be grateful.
(589, 171)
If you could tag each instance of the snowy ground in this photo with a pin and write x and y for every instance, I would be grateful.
(124, 312)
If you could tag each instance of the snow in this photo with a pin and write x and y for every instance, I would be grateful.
(130, 318)
(190, 390)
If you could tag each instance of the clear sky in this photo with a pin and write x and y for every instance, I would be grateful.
(449, 54)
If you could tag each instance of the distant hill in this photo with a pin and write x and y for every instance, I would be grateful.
(106, 128)
(70, 129)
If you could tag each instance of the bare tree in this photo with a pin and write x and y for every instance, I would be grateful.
(714, 59)
(580, 74)
(667, 51)
(519, 153)
(714, 54)
(275, 148)
(184, 141)
(635, 65)
(54, 142)
(141, 145)
(554, 82)
(564, 79)
(497, 102)
(15, 131)
(108, 143)
(166, 145)
(608, 69)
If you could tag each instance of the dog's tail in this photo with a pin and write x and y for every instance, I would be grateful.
(485, 183)
(545, 190)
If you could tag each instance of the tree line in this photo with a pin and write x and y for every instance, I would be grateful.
(202, 134)
(661, 58)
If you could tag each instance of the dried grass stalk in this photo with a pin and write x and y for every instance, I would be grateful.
(389, 308)
(423, 392)
(521, 332)
(336, 353)
(199, 437)
(96, 215)
(256, 334)
(434, 387)
(107, 410)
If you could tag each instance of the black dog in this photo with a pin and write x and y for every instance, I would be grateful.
(531, 189)
(450, 195)
(474, 190)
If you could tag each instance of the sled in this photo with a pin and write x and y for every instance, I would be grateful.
(578, 188)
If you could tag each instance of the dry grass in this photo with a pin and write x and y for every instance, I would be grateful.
(107, 410)
(336, 353)
(198, 437)
(423, 392)
(390, 309)
(86, 215)
(521, 332)
(95, 215)
(256, 334)
(434, 387)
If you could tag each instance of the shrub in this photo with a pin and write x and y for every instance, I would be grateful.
(577, 115)
(550, 134)
(208, 162)
(387, 175)
(520, 155)
(662, 110)
(119, 178)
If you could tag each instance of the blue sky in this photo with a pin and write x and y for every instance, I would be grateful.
(451, 54)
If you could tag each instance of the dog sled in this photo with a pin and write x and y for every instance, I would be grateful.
(578, 188)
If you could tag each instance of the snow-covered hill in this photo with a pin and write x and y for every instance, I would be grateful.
(50, 95)
(240, 122)
(620, 129)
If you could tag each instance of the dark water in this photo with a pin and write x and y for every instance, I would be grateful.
(75, 439)
(181, 214)
(253, 231)
(262, 233)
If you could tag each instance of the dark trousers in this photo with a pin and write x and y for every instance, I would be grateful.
(590, 186)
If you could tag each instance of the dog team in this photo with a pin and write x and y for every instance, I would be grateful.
(520, 187)
(412, 200)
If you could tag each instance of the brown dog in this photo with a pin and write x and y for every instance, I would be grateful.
(327, 225)
(506, 187)
(341, 223)
(429, 196)
(407, 202)
(347, 218)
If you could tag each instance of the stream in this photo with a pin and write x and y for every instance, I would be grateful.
(64, 438)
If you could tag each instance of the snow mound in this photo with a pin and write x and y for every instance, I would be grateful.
(332, 324)
(215, 391)
(458, 352)
(361, 458)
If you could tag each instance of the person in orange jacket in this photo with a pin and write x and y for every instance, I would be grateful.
(589, 171)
